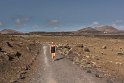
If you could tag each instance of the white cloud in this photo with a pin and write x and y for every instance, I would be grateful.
(1, 23)
(55, 28)
(118, 24)
(34, 27)
(19, 21)
(120, 27)
(114, 24)
(94, 24)
(53, 22)
(118, 21)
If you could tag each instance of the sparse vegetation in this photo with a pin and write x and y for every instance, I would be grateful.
(101, 56)
(15, 59)
(97, 54)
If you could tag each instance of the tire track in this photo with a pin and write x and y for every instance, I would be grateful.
(59, 71)
(49, 73)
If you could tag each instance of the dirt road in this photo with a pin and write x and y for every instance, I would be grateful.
(59, 71)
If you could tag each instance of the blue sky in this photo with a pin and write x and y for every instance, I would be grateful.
(60, 15)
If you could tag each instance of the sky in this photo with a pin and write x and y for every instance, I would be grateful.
(60, 15)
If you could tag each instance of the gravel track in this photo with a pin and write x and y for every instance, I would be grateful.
(59, 71)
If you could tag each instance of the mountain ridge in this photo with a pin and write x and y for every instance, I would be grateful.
(9, 31)
(107, 29)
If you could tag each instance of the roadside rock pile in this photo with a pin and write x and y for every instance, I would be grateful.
(104, 47)
(64, 49)
(15, 59)
(86, 49)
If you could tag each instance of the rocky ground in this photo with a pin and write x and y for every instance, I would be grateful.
(16, 58)
(102, 57)
(62, 70)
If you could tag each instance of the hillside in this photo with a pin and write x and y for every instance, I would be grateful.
(9, 31)
(88, 30)
(107, 29)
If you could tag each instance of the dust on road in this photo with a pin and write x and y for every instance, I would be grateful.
(59, 71)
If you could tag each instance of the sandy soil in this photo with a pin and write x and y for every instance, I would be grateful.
(59, 71)
(25, 59)
(16, 58)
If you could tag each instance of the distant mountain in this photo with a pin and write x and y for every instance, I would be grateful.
(9, 31)
(88, 29)
(107, 29)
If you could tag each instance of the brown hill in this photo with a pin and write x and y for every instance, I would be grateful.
(9, 31)
(88, 30)
(107, 29)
